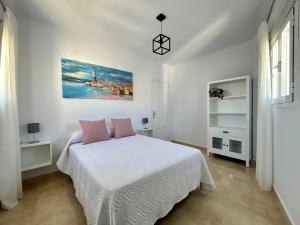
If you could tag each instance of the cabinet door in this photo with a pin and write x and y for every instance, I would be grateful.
(236, 147)
(217, 144)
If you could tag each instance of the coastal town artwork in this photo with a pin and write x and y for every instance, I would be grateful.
(85, 80)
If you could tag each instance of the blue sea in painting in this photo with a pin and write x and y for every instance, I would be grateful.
(84, 80)
(80, 90)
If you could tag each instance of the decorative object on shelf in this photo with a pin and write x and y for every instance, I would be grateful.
(33, 128)
(161, 44)
(145, 122)
(85, 80)
(216, 93)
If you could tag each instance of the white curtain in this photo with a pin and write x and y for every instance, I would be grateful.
(10, 172)
(264, 156)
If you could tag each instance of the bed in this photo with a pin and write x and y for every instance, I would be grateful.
(132, 180)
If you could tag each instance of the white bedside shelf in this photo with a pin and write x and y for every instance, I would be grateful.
(146, 132)
(36, 155)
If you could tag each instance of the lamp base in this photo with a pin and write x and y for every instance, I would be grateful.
(32, 142)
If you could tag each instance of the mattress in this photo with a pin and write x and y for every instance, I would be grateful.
(132, 180)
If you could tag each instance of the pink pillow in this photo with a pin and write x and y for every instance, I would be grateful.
(122, 127)
(93, 131)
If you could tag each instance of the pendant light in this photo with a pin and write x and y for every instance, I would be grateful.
(161, 44)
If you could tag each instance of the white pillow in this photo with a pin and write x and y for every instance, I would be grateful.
(76, 137)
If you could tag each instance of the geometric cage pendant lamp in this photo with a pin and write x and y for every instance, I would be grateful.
(161, 44)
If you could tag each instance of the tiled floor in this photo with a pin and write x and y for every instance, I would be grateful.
(50, 200)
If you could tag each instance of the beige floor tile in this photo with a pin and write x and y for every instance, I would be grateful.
(237, 200)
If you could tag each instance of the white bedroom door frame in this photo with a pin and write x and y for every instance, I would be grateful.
(159, 108)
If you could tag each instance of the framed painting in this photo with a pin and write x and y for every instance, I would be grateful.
(85, 80)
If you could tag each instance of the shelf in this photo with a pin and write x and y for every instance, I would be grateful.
(229, 97)
(27, 144)
(36, 155)
(146, 129)
(228, 128)
(35, 166)
(230, 80)
(227, 113)
(146, 132)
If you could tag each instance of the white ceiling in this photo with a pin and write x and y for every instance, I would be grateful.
(196, 27)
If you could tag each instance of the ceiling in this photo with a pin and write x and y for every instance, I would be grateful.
(196, 27)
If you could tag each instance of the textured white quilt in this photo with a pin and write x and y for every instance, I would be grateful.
(133, 180)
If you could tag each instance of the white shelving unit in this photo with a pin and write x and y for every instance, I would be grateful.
(36, 155)
(229, 119)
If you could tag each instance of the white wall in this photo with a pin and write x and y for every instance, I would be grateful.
(189, 88)
(286, 145)
(287, 157)
(41, 46)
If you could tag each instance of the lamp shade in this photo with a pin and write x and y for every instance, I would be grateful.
(33, 128)
(145, 121)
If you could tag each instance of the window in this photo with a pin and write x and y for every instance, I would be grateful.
(282, 60)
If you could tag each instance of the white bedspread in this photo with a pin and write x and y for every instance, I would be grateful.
(133, 180)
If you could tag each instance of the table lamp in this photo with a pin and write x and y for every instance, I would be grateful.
(145, 121)
(33, 128)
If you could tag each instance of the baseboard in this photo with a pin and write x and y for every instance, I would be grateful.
(38, 172)
(283, 206)
(253, 162)
(190, 145)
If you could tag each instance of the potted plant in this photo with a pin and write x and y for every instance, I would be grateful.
(216, 93)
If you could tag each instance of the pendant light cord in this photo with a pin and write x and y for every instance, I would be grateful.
(161, 27)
